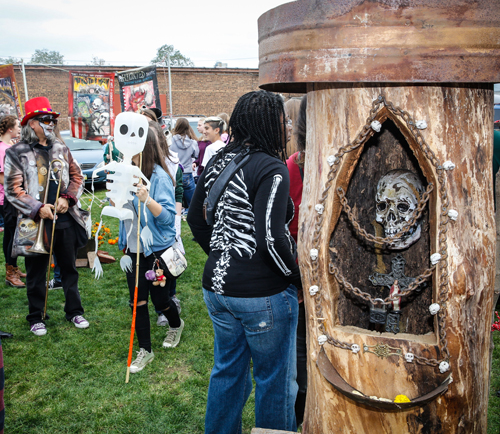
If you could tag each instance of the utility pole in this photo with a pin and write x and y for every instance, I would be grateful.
(26, 97)
(169, 88)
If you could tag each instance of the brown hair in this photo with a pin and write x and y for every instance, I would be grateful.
(148, 113)
(7, 122)
(301, 130)
(153, 153)
(183, 128)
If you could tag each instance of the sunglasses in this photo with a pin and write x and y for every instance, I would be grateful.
(47, 120)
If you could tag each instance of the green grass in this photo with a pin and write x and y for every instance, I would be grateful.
(73, 381)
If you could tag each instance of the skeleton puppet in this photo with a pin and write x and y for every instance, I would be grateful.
(130, 134)
(398, 194)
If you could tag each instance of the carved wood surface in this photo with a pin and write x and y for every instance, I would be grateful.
(459, 129)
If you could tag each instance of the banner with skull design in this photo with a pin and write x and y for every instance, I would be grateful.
(10, 103)
(139, 88)
(91, 96)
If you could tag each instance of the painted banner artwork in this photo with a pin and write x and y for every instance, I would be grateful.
(138, 88)
(10, 102)
(90, 104)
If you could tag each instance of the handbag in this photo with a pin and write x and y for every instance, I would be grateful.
(173, 261)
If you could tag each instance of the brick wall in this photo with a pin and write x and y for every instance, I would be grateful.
(206, 91)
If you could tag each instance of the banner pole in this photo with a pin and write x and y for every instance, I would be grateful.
(26, 97)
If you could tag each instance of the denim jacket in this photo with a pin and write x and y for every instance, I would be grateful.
(163, 226)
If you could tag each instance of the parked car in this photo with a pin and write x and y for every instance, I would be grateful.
(88, 154)
(192, 119)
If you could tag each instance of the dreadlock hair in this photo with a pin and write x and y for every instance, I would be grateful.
(153, 154)
(7, 122)
(258, 121)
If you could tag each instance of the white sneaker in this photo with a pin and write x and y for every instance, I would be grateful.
(39, 329)
(143, 358)
(173, 336)
(80, 322)
(162, 320)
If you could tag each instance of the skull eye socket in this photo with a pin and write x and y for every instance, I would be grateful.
(123, 129)
(403, 207)
(381, 206)
(141, 132)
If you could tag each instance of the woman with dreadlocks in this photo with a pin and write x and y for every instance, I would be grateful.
(239, 216)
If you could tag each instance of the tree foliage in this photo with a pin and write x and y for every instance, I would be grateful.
(176, 57)
(47, 57)
(96, 61)
(9, 60)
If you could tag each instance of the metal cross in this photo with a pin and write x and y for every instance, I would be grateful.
(397, 273)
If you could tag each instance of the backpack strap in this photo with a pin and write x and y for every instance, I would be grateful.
(222, 182)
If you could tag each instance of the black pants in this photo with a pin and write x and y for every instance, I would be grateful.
(8, 233)
(160, 296)
(65, 249)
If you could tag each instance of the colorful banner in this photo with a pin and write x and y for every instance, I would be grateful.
(90, 102)
(10, 102)
(138, 88)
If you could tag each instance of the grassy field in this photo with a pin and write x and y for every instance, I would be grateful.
(73, 381)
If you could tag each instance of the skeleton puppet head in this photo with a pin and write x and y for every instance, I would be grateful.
(97, 105)
(131, 130)
(398, 194)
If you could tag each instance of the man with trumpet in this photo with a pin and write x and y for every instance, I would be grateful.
(42, 180)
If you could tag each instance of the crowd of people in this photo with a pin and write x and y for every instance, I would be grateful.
(240, 196)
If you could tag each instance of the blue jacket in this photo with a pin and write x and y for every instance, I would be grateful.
(163, 226)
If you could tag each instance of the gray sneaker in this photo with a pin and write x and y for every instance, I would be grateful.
(173, 336)
(162, 320)
(177, 303)
(143, 358)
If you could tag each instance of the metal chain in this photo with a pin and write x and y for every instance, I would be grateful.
(388, 300)
(444, 219)
(387, 240)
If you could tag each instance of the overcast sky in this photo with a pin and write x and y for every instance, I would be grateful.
(129, 33)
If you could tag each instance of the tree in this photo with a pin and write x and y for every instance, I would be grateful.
(176, 58)
(47, 57)
(96, 61)
(10, 59)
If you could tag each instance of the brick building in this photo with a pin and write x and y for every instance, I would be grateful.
(205, 91)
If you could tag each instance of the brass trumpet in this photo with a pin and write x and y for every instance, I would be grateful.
(38, 246)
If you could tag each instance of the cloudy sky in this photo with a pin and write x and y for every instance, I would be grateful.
(123, 32)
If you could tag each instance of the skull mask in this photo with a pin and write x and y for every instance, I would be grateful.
(398, 194)
(131, 130)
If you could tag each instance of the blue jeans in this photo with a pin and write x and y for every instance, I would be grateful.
(262, 330)
(189, 187)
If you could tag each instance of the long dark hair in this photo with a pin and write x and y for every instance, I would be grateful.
(301, 131)
(258, 121)
(153, 153)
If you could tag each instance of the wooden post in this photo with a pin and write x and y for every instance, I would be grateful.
(369, 62)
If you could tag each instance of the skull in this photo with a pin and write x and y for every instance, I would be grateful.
(409, 357)
(434, 308)
(314, 254)
(398, 193)
(376, 126)
(322, 339)
(443, 367)
(27, 227)
(104, 119)
(313, 290)
(97, 104)
(131, 130)
(355, 348)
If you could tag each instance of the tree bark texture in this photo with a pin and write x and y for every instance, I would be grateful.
(459, 129)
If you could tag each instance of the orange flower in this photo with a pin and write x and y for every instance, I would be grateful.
(111, 242)
(52, 265)
(107, 230)
(100, 237)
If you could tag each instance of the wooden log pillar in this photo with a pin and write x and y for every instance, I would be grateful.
(373, 71)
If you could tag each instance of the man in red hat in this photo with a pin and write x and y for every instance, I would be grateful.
(36, 164)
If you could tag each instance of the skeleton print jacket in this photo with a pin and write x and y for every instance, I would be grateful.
(250, 250)
(26, 171)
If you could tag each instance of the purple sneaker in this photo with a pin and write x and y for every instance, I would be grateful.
(39, 329)
(80, 322)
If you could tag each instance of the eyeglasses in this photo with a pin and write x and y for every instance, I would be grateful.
(47, 120)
